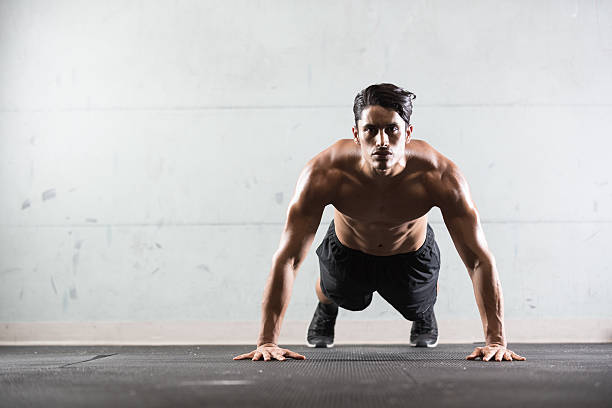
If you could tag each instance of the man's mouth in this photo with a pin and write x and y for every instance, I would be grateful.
(383, 154)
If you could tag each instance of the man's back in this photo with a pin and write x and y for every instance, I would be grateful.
(380, 216)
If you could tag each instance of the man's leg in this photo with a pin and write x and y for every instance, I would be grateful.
(322, 298)
(321, 329)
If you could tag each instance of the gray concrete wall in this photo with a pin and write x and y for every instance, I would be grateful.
(114, 206)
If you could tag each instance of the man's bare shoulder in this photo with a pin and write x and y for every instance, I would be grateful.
(431, 159)
(444, 181)
(322, 174)
(340, 157)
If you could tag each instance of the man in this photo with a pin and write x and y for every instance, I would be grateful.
(382, 184)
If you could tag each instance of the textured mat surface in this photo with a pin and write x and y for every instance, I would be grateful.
(559, 375)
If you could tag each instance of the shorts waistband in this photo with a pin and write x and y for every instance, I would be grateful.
(429, 237)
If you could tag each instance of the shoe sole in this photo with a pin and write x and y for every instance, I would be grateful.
(425, 345)
(320, 345)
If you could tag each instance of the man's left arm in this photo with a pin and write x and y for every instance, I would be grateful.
(463, 222)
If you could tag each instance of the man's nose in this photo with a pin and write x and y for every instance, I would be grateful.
(383, 138)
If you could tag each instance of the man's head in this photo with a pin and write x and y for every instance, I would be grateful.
(382, 126)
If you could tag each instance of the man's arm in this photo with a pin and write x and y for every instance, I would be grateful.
(312, 194)
(303, 218)
(463, 222)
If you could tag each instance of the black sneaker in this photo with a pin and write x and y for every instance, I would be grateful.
(321, 329)
(424, 332)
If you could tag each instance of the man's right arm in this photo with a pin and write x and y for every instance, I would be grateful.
(313, 192)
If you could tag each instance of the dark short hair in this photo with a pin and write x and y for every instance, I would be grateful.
(386, 95)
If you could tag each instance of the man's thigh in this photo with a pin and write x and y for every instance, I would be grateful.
(409, 282)
(344, 294)
(344, 278)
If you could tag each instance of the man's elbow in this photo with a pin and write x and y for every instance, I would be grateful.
(485, 261)
(282, 260)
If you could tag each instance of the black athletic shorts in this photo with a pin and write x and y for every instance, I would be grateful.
(407, 281)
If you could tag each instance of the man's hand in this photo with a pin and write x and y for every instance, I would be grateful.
(270, 351)
(500, 352)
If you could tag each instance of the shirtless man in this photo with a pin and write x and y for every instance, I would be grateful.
(382, 185)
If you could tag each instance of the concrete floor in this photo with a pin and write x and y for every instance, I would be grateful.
(557, 375)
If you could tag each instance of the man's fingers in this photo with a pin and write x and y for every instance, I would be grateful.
(243, 356)
(270, 353)
(474, 354)
(488, 355)
(295, 355)
(498, 352)
(278, 356)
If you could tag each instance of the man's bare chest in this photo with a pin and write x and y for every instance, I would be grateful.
(398, 204)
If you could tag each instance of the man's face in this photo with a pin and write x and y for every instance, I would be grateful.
(382, 136)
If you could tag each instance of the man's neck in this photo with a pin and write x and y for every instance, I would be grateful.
(383, 179)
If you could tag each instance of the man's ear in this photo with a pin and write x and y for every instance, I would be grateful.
(409, 129)
(355, 135)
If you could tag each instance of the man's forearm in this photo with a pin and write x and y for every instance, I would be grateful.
(490, 301)
(275, 301)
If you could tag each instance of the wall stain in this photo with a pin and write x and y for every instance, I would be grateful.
(279, 197)
(25, 204)
(75, 256)
(91, 220)
(65, 302)
(73, 293)
(53, 285)
(591, 236)
(48, 194)
(9, 270)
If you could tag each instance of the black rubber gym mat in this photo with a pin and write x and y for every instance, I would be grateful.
(556, 375)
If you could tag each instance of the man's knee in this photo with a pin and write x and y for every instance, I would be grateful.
(353, 308)
(356, 305)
